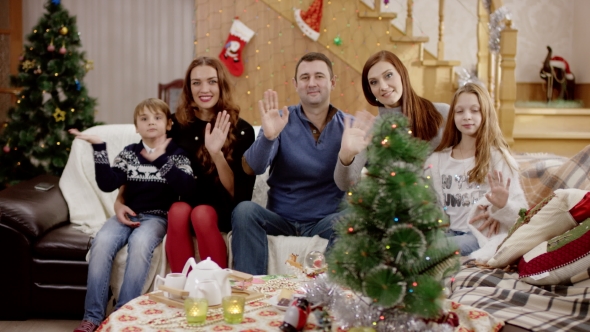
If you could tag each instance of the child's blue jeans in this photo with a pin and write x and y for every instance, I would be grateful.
(466, 241)
(108, 241)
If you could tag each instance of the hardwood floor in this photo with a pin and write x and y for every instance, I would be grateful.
(38, 325)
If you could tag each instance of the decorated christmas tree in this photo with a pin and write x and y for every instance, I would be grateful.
(391, 247)
(53, 99)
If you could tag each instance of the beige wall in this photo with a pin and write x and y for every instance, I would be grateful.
(135, 44)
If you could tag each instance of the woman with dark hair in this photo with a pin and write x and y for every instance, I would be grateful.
(207, 126)
(386, 84)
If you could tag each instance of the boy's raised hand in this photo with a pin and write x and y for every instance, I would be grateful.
(499, 193)
(92, 139)
(356, 135)
(215, 137)
(158, 151)
(272, 121)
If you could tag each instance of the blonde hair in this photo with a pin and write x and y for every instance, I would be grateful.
(153, 104)
(489, 135)
(185, 112)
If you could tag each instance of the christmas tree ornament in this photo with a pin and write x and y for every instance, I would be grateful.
(78, 85)
(338, 41)
(6, 149)
(63, 50)
(231, 53)
(21, 58)
(59, 115)
(55, 2)
(309, 20)
(88, 65)
(51, 47)
(63, 31)
(28, 64)
(315, 260)
(296, 316)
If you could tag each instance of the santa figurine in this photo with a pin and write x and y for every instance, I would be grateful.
(296, 316)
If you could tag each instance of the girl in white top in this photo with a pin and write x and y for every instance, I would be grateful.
(473, 174)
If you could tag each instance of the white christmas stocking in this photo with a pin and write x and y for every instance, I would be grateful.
(231, 54)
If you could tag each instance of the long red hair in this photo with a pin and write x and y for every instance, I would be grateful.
(185, 112)
(423, 117)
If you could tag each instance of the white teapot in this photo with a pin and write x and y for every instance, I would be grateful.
(206, 270)
(208, 289)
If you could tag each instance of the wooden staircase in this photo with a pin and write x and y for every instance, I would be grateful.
(432, 77)
(563, 131)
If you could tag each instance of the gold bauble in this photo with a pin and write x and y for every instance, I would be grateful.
(63, 31)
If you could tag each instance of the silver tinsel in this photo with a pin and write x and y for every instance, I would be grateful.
(350, 310)
(465, 76)
(487, 4)
(496, 26)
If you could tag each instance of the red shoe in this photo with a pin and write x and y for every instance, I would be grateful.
(86, 326)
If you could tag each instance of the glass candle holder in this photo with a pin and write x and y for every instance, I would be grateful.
(233, 309)
(196, 310)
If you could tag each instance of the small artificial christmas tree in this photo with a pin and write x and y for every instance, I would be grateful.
(52, 99)
(391, 245)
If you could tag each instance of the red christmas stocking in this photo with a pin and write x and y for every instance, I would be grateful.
(231, 54)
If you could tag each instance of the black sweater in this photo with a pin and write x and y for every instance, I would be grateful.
(150, 187)
(208, 189)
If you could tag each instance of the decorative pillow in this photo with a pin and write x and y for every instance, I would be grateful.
(553, 216)
(558, 260)
(542, 175)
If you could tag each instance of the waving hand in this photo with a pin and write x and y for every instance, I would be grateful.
(272, 121)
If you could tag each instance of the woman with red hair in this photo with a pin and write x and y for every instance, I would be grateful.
(208, 127)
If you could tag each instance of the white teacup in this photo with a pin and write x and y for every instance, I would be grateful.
(172, 280)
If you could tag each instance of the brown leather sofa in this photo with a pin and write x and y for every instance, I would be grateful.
(43, 266)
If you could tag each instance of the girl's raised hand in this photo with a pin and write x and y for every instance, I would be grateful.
(92, 139)
(215, 137)
(499, 193)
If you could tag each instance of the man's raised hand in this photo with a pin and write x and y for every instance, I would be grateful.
(270, 116)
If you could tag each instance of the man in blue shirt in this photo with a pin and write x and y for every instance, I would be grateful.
(303, 144)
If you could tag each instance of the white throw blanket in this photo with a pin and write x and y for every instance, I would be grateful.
(90, 207)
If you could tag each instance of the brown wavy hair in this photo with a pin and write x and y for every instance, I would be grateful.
(489, 134)
(423, 117)
(185, 112)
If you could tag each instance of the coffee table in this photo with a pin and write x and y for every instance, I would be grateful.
(145, 315)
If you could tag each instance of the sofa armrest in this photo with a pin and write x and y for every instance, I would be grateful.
(31, 211)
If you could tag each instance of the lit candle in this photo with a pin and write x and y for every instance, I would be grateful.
(196, 310)
(233, 309)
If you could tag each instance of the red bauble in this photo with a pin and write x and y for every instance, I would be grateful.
(51, 48)
(62, 50)
(6, 149)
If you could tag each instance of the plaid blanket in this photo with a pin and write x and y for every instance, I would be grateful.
(548, 308)
(542, 173)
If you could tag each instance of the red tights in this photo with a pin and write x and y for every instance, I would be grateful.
(179, 241)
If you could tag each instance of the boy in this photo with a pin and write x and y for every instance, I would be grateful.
(155, 172)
